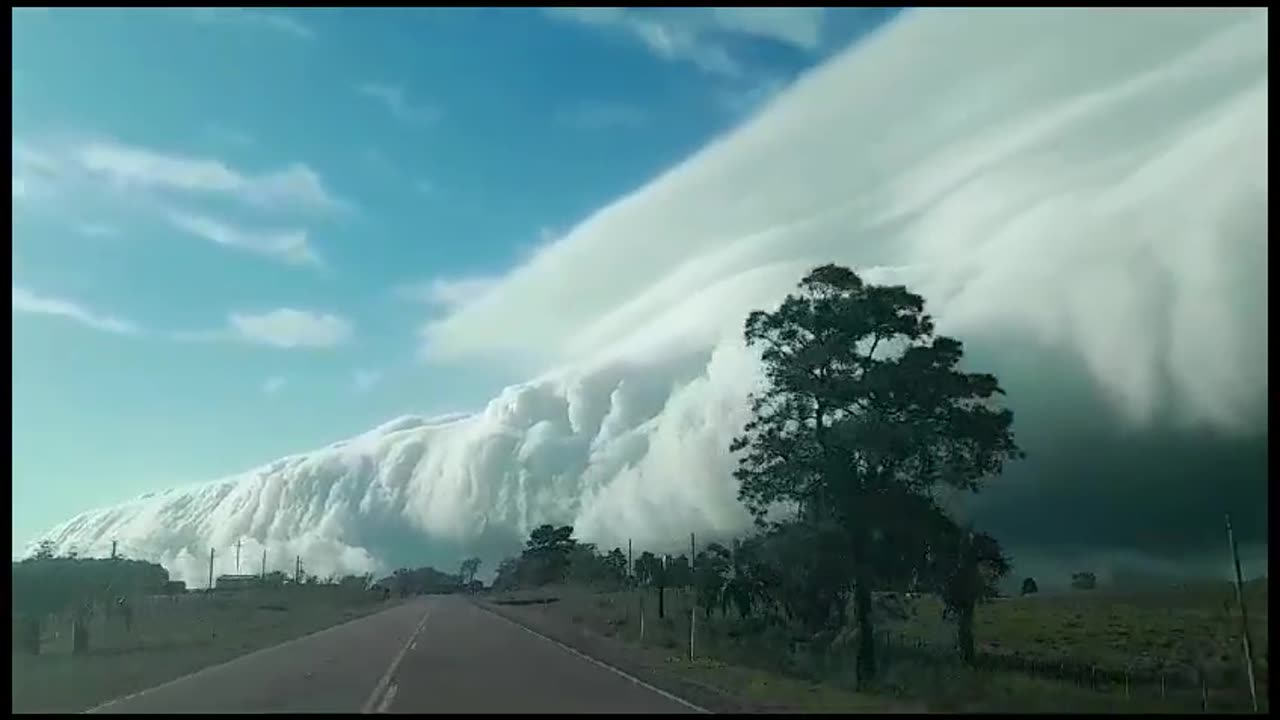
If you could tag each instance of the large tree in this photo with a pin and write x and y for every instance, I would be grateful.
(862, 404)
(545, 559)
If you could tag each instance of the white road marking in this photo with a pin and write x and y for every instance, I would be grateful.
(598, 663)
(212, 668)
(385, 682)
(385, 705)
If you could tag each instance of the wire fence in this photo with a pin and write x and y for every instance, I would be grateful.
(1220, 685)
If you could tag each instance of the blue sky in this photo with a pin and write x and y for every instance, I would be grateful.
(230, 226)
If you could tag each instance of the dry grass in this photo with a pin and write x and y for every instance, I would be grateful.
(172, 638)
(1112, 630)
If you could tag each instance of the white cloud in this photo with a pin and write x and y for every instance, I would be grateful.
(27, 302)
(602, 116)
(800, 27)
(273, 385)
(696, 34)
(364, 380)
(978, 187)
(289, 246)
(274, 21)
(1105, 210)
(96, 230)
(447, 292)
(745, 100)
(397, 103)
(293, 187)
(289, 328)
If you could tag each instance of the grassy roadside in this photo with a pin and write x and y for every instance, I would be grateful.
(761, 667)
(706, 681)
(171, 639)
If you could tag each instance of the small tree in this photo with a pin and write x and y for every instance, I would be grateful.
(467, 571)
(44, 550)
(1084, 581)
(648, 568)
(615, 564)
(709, 575)
(679, 574)
(748, 580)
(976, 565)
(1029, 586)
(507, 576)
(862, 402)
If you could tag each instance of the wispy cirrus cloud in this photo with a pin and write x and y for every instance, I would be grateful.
(397, 102)
(698, 35)
(284, 328)
(273, 385)
(76, 166)
(602, 116)
(446, 292)
(288, 246)
(27, 302)
(295, 186)
(290, 328)
(254, 18)
(96, 230)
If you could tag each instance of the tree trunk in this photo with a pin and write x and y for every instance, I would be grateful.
(661, 603)
(30, 639)
(866, 665)
(964, 634)
(79, 636)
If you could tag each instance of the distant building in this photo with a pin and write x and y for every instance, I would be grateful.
(175, 587)
(237, 582)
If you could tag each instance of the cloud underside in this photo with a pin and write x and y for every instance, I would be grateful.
(1093, 226)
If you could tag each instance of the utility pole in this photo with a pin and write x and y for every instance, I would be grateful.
(237, 557)
(113, 549)
(693, 604)
(1244, 616)
(210, 569)
(629, 565)
(264, 563)
(297, 569)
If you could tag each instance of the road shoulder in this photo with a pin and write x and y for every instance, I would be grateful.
(650, 666)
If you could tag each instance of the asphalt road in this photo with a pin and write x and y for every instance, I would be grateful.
(438, 654)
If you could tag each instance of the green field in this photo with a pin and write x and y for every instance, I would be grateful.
(1121, 634)
(172, 637)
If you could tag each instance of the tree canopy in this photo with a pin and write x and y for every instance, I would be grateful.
(864, 411)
